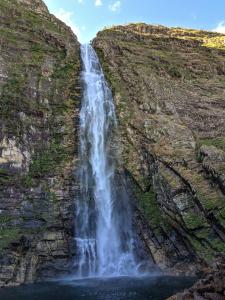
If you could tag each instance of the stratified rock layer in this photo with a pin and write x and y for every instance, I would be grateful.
(39, 100)
(169, 92)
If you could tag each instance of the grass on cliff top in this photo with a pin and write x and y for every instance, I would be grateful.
(205, 38)
(32, 21)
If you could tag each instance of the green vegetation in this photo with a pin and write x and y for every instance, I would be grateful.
(4, 219)
(203, 233)
(204, 38)
(10, 98)
(215, 42)
(175, 72)
(221, 215)
(46, 162)
(52, 197)
(111, 77)
(33, 21)
(202, 249)
(218, 244)
(153, 70)
(150, 208)
(4, 176)
(7, 236)
(15, 97)
(9, 35)
(210, 200)
(194, 220)
(209, 197)
(207, 245)
(218, 142)
(38, 99)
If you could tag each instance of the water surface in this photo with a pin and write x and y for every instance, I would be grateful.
(120, 288)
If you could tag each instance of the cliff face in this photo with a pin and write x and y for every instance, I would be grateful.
(169, 92)
(39, 101)
(37, 6)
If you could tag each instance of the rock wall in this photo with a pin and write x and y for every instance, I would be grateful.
(168, 86)
(39, 101)
(169, 92)
(211, 287)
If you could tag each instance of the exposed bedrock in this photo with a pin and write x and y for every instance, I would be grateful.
(212, 287)
(168, 87)
(39, 100)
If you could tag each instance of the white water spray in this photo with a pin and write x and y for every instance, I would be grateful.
(103, 223)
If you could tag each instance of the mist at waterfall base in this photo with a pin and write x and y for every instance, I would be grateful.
(125, 288)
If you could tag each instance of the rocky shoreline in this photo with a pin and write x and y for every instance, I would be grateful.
(211, 287)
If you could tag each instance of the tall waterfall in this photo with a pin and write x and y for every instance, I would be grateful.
(103, 232)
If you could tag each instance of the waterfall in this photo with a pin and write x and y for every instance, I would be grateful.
(103, 232)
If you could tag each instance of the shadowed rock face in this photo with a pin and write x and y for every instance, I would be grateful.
(168, 87)
(39, 100)
(211, 287)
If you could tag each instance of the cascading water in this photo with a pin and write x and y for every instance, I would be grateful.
(103, 232)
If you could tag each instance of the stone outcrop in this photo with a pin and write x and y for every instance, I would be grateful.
(37, 6)
(168, 85)
(39, 100)
(212, 287)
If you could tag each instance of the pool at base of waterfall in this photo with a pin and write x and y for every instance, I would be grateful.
(119, 288)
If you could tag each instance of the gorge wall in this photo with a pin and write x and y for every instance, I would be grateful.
(39, 100)
(169, 92)
(168, 87)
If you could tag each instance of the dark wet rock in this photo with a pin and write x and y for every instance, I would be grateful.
(169, 96)
(214, 296)
(212, 287)
(39, 100)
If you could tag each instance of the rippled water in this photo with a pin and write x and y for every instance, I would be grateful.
(120, 288)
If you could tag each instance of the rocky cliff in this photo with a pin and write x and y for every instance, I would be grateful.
(39, 105)
(212, 287)
(168, 86)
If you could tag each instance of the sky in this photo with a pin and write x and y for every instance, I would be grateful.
(87, 17)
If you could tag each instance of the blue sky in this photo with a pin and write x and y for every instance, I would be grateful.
(87, 17)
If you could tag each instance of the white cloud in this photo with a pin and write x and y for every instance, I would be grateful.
(115, 6)
(80, 1)
(66, 17)
(98, 2)
(220, 27)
